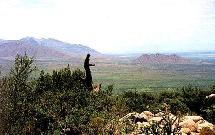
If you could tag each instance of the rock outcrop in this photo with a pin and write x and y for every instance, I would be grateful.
(185, 125)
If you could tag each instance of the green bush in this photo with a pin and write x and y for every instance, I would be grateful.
(139, 101)
(19, 96)
(209, 114)
(165, 97)
(177, 106)
(193, 98)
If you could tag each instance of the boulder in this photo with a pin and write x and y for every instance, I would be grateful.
(128, 117)
(194, 118)
(204, 125)
(142, 115)
(200, 121)
(207, 131)
(185, 130)
(134, 117)
(211, 96)
(194, 133)
(148, 114)
(189, 124)
(192, 125)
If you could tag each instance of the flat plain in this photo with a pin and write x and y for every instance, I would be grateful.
(125, 75)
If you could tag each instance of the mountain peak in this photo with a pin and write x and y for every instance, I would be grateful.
(161, 59)
(52, 39)
(30, 40)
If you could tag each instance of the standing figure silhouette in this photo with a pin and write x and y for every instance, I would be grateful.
(88, 79)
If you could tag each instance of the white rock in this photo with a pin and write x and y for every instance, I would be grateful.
(194, 133)
(143, 116)
(194, 118)
(211, 96)
(189, 124)
(205, 124)
(148, 114)
(185, 130)
(128, 116)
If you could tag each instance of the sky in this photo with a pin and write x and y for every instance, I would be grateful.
(114, 26)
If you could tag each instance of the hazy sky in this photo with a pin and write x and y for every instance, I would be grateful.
(114, 26)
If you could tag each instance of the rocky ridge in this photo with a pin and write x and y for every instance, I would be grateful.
(161, 59)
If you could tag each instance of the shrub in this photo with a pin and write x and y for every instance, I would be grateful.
(209, 113)
(139, 101)
(177, 106)
(167, 126)
(165, 97)
(194, 98)
(19, 96)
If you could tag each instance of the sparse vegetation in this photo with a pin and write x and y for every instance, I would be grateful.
(167, 126)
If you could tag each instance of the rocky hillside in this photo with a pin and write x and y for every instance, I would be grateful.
(43, 48)
(161, 59)
(148, 123)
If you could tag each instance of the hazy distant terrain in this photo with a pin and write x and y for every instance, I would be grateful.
(43, 48)
(144, 72)
(161, 59)
(143, 77)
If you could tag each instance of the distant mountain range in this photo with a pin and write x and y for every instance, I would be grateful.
(161, 59)
(43, 48)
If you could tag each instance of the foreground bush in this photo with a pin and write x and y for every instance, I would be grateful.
(54, 103)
